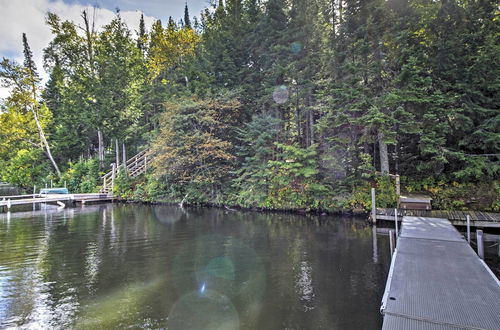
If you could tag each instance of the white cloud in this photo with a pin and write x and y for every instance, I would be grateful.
(28, 16)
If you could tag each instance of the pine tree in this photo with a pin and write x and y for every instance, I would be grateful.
(187, 20)
(25, 94)
(142, 36)
(28, 58)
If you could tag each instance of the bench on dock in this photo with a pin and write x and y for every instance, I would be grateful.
(415, 202)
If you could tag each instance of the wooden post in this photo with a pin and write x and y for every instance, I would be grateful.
(374, 208)
(124, 158)
(398, 190)
(480, 243)
(100, 149)
(391, 241)
(8, 204)
(398, 186)
(396, 222)
(468, 228)
(117, 150)
(113, 170)
(34, 193)
(375, 247)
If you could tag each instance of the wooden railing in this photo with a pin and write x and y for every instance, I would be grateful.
(133, 167)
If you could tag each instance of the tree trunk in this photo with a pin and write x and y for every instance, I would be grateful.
(100, 149)
(88, 34)
(117, 152)
(384, 155)
(124, 158)
(45, 143)
(300, 138)
(311, 120)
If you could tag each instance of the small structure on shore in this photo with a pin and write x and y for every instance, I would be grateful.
(414, 202)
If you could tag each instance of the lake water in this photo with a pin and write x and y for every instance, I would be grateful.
(149, 267)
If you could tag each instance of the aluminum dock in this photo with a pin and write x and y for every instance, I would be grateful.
(437, 281)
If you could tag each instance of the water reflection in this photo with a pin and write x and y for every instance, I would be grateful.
(159, 266)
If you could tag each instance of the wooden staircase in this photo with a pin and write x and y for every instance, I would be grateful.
(134, 167)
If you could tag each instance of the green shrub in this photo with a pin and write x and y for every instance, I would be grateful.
(26, 169)
(385, 191)
(82, 176)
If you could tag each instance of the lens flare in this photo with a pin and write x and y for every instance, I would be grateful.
(210, 310)
(280, 94)
(167, 214)
(296, 47)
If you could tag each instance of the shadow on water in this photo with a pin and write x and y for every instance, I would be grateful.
(117, 266)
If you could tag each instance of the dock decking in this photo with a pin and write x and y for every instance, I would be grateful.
(457, 218)
(437, 281)
(9, 201)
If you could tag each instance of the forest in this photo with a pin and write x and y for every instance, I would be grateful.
(277, 104)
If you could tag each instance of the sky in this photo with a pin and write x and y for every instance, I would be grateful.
(28, 16)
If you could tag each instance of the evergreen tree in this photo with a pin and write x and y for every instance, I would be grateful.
(187, 20)
(142, 36)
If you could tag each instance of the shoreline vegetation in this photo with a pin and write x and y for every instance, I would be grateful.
(350, 206)
(275, 105)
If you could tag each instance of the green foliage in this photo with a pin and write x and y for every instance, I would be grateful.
(82, 176)
(456, 195)
(255, 151)
(195, 145)
(293, 179)
(123, 185)
(25, 169)
(385, 192)
(282, 104)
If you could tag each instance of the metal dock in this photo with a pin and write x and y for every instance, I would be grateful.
(437, 281)
(457, 218)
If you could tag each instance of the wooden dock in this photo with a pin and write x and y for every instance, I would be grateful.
(61, 199)
(437, 281)
(457, 218)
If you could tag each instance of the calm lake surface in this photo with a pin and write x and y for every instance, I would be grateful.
(142, 267)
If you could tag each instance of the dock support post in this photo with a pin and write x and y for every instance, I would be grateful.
(8, 205)
(480, 243)
(375, 247)
(468, 228)
(396, 222)
(34, 196)
(391, 241)
(374, 207)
